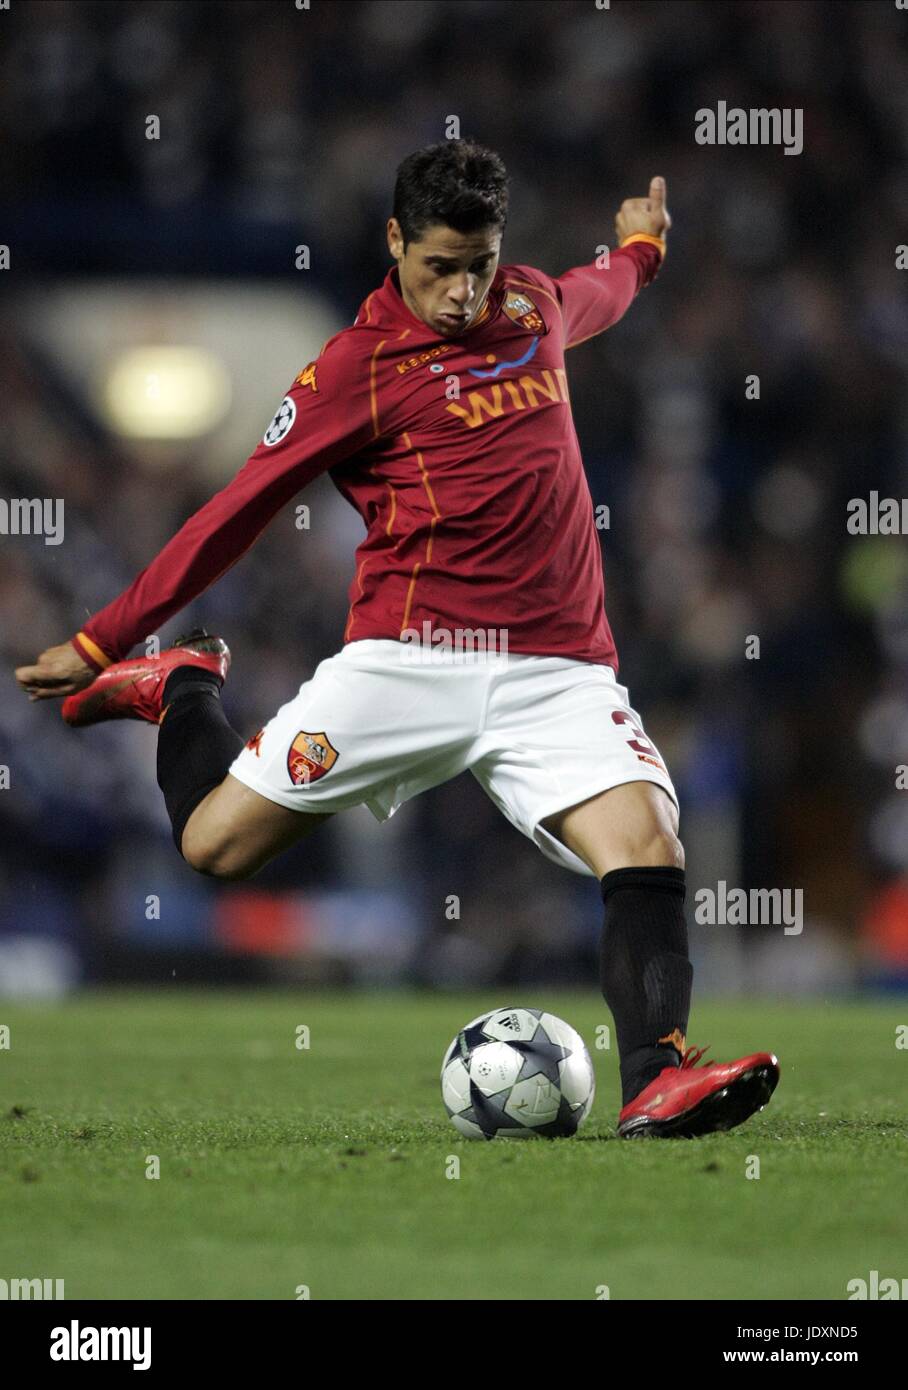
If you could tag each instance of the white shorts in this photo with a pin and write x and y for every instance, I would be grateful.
(374, 726)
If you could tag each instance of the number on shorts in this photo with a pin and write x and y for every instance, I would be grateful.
(640, 743)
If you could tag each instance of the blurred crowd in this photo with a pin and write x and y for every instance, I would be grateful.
(727, 500)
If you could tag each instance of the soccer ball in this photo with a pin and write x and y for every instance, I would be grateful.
(513, 1073)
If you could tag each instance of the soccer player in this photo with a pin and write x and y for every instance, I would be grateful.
(477, 635)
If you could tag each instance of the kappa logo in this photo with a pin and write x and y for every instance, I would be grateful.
(311, 756)
(521, 309)
(421, 358)
(255, 743)
(653, 762)
(282, 423)
(307, 377)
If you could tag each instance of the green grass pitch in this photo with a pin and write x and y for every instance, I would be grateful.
(326, 1167)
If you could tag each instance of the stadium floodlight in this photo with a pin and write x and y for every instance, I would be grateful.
(166, 392)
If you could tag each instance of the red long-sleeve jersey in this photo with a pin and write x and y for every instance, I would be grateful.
(459, 454)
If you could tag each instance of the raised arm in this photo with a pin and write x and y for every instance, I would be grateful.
(593, 298)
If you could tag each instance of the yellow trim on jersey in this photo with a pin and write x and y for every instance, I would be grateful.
(373, 389)
(406, 617)
(359, 580)
(657, 241)
(483, 313)
(368, 307)
(94, 651)
(436, 517)
(390, 525)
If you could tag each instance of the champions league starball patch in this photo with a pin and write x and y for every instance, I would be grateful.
(282, 423)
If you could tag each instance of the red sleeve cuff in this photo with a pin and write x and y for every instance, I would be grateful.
(90, 652)
(644, 239)
(648, 252)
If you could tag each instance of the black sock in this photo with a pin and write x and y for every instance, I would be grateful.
(196, 745)
(645, 970)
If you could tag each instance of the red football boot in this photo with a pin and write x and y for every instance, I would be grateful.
(687, 1101)
(134, 688)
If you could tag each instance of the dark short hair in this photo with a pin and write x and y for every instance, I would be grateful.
(456, 183)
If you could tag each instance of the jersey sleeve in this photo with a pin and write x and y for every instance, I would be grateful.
(325, 418)
(592, 299)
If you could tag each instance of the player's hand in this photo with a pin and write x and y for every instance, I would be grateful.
(648, 214)
(58, 671)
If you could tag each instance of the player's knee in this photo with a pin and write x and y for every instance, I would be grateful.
(662, 849)
(658, 847)
(223, 859)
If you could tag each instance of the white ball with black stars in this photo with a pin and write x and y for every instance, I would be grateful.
(517, 1073)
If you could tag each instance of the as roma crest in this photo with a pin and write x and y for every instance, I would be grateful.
(521, 309)
(310, 757)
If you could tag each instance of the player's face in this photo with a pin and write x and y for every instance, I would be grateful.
(445, 277)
